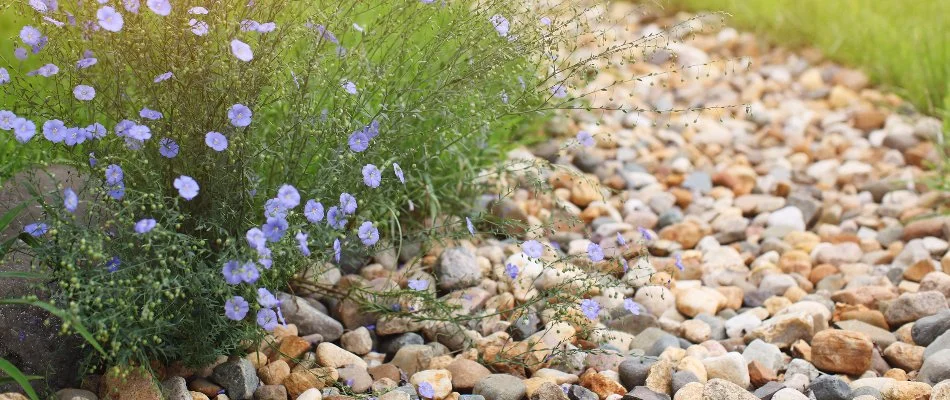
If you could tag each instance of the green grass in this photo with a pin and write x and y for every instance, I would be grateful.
(903, 45)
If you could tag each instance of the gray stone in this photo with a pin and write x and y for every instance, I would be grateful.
(755, 298)
(941, 343)
(524, 326)
(829, 387)
(175, 388)
(926, 329)
(663, 343)
(237, 377)
(644, 393)
(309, 320)
(474, 397)
(809, 207)
(578, 392)
(633, 372)
(669, 217)
(936, 368)
(800, 366)
(457, 268)
(716, 324)
(390, 345)
(881, 337)
(356, 377)
(766, 391)
(633, 324)
(645, 340)
(910, 307)
(681, 378)
(588, 160)
(721, 389)
(698, 181)
(767, 354)
(269, 392)
(867, 391)
(500, 387)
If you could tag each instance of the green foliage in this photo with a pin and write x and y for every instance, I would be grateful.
(14, 375)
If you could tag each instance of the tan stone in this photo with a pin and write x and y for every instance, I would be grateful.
(315, 378)
(694, 365)
(845, 352)
(257, 359)
(905, 356)
(129, 384)
(660, 377)
(274, 373)
(760, 374)
(291, 348)
(466, 373)
(906, 390)
(686, 234)
(440, 379)
(795, 261)
(919, 269)
(600, 384)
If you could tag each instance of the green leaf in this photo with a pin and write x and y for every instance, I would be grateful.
(76, 324)
(8, 216)
(17, 376)
(21, 275)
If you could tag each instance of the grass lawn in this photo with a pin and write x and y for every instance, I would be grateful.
(903, 45)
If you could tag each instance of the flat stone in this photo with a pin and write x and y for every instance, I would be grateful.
(500, 387)
(910, 307)
(237, 377)
(466, 373)
(730, 366)
(880, 337)
(309, 320)
(720, 389)
(936, 367)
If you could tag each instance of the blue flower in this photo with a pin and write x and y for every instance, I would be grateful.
(336, 218)
(163, 77)
(199, 28)
(266, 299)
(623, 262)
(160, 7)
(36, 229)
(532, 248)
(418, 284)
(249, 25)
(644, 233)
(235, 272)
(266, 27)
(131, 6)
(54, 130)
(358, 141)
(96, 131)
(470, 226)
(70, 200)
(372, 130)
(241, 50)
(114, 174)
(545, 21)
(240, 115)
(585, 139)
(144, 226)
(274, 228)
(21, 54)
(86, 62)
(326, 34)
(347, 203)
(216, 141)
(255, 238)
(313, 210)
(109, 19)
(84, 92)
(117, 191)
(267, 319)
(511, 270)
(559, 91)
(139, 132)
(187, 187)
(594, 252)
(372, 175)
(302, 243)
(275, 208)
(679, 262)
(590, 308)
(235, 308)
(399, 174)
(501, 24)
(349, 87)
(39, 5)
(631, 306)
(6, 120)
(23, 130)
(122, 128)
(113, 264)
(368, 233)
(30, 35)
(337, 249)
(4, 76)
(288, 196)
(46, 71)
(168, 148)
(426, 390)
(74, 136)
(148, 113)
(620, 240)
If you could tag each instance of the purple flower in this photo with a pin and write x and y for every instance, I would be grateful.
(70, 200)
(418, 284)
(267, 319)
(21, 54)
(266, 299)
(187, 187)
(131, 6)
(36, 229)
(559, 91)
(109, 19)
(620, 240)
(532, 248)
(240, 115)
(545, 21)
(501, 24)
(198, 11)
(470, 226)
(511, 270)
(241, 50)
(585, 139)
(275, 208)
(372, 176)
(426, 390)
(368, 233)
(216, 141)
(623, 262)
(349, 87)
(644, 233)
(114, 174)
(372, 130)
(302, 243)
(289, 196)
(123, 127)
(113, 264)
(358, 141)
(74, 136)
(4, 76)
(30, 35)
(274, 228)
(590, 308)
(168, 148)
(679, 262)
(96, 131)
(160, 7)
(631, 306)
(23, 129)
(92, 160)
(235, 308)
(235, 272)
(139, 132)
(313, 210)
(347, 203)
(249, 25)
(199, 28)
(47, 70)
(255, 238)
(399, 174)
(54, 130)
(150, 114)
(87, 62)
(594, 252)
(336, 218)
(324, 33)
(144, 226)
(6, 120)
(337, 249)
(39, 5)
(164, 77)
(117, 191)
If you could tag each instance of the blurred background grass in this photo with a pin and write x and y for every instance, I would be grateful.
(902, 45)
